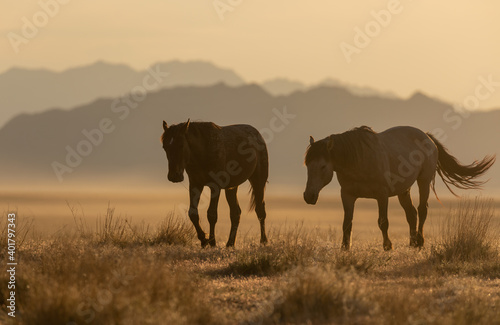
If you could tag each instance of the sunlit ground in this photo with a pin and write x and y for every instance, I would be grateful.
(55, 210)
(121, 274)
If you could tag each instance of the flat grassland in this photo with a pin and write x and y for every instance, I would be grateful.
(109, 269)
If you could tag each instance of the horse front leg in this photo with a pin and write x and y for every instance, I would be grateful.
(348, 204)
(212, 213)
(194, 200)
(383, 222)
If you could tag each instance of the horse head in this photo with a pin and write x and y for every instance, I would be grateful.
(177, 149)
(319, 168)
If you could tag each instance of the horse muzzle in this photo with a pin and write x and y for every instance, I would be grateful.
(310, 198)
(175, 177)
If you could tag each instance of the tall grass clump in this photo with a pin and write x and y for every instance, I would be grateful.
(288, 248)
(468, 234)
(173, 231)
(322, 296)
(361, 262)
(292, 247)
(67, 283)
(112, 229)
(22, 229)
(119, 231)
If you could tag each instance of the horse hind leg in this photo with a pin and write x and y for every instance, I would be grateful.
(424, 189)
(234, 212)
(258, 188)
(260, 210)
(411, 215)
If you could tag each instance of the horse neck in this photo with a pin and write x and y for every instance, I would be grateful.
(200, 145)
(349, 156)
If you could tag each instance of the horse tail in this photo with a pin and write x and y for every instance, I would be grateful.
(452, 172)
(258, 180)
(253, 201)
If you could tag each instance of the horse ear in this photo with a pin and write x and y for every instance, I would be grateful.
(329, 144)
(311, 139)
(165, 126)
(185, 127)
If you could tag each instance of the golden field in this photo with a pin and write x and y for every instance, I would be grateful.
(118, 257)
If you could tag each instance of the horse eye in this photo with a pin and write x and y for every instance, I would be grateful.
(323, 167)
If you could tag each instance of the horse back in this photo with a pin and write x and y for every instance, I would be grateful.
(241, 151)
(404, 140)
(243, 143)
(409, 154)
(392, 162)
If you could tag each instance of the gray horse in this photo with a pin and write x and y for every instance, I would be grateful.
(381, 165)
(219, 158)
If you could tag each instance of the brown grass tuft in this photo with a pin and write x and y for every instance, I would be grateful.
(288, 248)
(111, 229)
(321, 295)
(173, 231)
(467, 234)
(64, 280)
(23, 227)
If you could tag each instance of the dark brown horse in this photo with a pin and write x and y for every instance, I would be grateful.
(381, 165)
(219, 158)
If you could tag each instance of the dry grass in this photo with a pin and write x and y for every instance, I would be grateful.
(321, 295)
(291, 247)
(173, 231)
(467, 232)
(23, 228)
(436, 300)
(469, 242)
(123, 273)
(69, 281)
(115, 230)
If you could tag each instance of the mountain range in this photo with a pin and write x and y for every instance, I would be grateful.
(124, 135)
(284, 87)
(31, 91)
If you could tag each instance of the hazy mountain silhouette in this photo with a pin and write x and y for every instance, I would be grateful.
(30, 91)
(29, 144)
(357, 90)
(284, 87)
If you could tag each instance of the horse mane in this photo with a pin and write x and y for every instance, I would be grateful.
(199, 127)
(349, 148)
(204, 126)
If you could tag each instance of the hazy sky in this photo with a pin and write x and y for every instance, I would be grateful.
(439, 47)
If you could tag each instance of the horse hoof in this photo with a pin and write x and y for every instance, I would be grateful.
(388, 246)
(212, 242)
(420, 241)
(263, 241)
(204, 242)
(345, 247)
(230, 244)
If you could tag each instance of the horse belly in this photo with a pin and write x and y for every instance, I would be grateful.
(243, 149)
(232, 175)
(362, 188)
